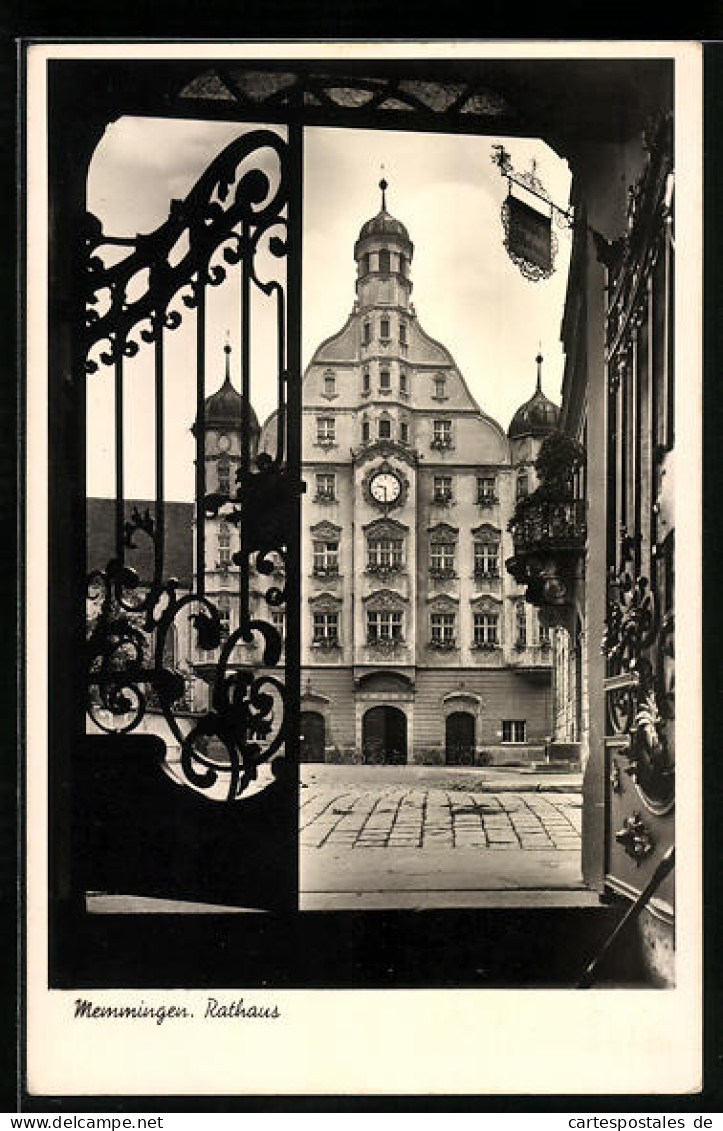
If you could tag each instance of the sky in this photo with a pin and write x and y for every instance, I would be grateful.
(467, 292)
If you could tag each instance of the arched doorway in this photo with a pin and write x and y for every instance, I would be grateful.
(384, 735)
(459, 739)
(313, 736)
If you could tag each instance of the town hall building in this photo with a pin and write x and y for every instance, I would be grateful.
(417, 645)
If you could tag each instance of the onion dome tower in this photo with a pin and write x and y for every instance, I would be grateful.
(383, 254)
(535, 417)
(222, 425)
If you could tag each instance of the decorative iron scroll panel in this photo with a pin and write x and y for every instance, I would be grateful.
(235, 227)
(639, 635)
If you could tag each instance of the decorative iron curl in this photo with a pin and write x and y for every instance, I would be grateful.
(224, 197)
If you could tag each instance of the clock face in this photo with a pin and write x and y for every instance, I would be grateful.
(385, 487)
(224, 442)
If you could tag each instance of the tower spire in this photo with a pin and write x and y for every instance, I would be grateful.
(383, 185)
(539, 360)
(227, 351)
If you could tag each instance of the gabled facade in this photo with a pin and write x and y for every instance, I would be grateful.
(409, 486)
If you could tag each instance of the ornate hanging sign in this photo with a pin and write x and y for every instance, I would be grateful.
(530, 240)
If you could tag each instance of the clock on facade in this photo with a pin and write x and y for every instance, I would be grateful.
(385, 487)
(224, 442)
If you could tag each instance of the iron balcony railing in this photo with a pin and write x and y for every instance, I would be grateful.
(551, 526)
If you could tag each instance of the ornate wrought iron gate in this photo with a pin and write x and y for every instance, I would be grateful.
(242, 216)
(639, 637)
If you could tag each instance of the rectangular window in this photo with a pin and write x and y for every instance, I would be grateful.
(278, 620)
(403, 386)
(326, 486)
(441, 557)
(326, 557)
(224, 613)
(520, 625)
(385, 429)
(326, 627)
(384, 625)
(385, 553)
(367, 333)
(385, 379)
(523, 486)
(325, 429)
(404, 432)
(486, 559)
(442, 626)
(384, 329)
(514, 730)
(329, 385)
(224, 479)
(365, 432)
(442, 435)
(486, 629)
(443, 488)
(366, 382)
(486, 488)
(224, 545)
(402, 333)
(440, 388)
(543, 635)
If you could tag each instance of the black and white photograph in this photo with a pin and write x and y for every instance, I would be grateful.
(353, 392)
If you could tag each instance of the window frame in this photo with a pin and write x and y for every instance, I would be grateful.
(514, 725)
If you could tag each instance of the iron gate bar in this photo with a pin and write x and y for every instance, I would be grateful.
(200, 433)
(266, 500)
(119, 461)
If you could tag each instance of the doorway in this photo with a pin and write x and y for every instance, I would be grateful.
(313, 736)
(460, 739)
(384, 736)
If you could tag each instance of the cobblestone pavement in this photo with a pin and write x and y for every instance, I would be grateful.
(427, 818)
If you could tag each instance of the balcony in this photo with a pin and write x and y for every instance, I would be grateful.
(549, 542)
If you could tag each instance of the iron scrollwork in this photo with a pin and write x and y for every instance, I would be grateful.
(235, 747)
(639, 647)
(635, 838)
